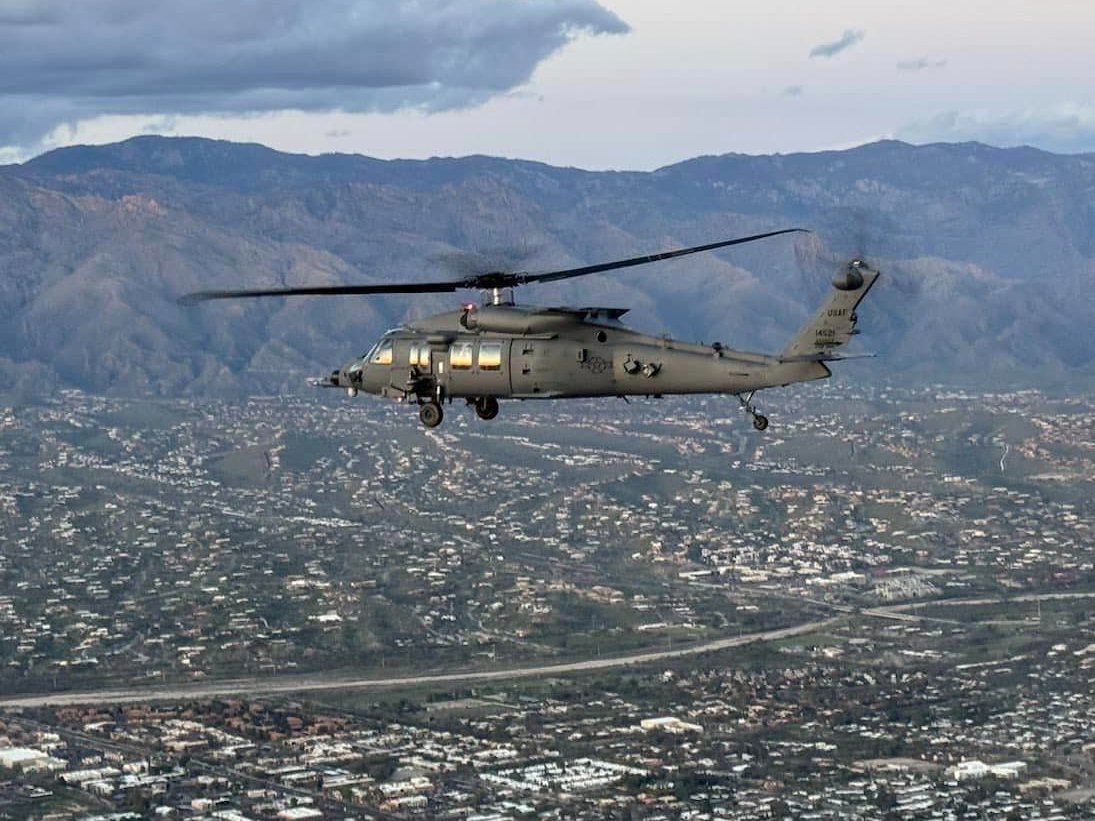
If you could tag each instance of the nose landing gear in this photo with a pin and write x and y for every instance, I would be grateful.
(760, 422)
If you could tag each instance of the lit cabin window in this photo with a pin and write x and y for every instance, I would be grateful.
(490, 356)
(420, 355)
(383, 353)
(460, 356)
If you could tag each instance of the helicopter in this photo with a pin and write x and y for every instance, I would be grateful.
(501, 350)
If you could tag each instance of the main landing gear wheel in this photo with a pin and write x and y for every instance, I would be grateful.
(486, 407)
(431, 414)
(760, 422)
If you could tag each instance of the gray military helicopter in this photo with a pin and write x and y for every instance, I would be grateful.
(500, 350)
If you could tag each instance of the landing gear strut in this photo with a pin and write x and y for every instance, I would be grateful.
(431, 414)
(760, 422)
(486, 407)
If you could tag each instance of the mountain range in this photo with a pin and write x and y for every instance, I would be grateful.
(988, 255)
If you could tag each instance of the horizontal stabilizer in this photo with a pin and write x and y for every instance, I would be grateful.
(827, 357)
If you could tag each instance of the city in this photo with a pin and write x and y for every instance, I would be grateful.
(883, 607)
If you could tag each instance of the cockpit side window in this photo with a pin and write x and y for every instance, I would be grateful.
(382, 354)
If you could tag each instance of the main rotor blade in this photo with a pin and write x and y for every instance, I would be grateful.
(327, 290)
(552, 276)
(487, 281)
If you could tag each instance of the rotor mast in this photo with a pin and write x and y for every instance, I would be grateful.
(500, 296)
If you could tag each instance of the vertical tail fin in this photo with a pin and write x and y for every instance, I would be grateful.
(834, 322)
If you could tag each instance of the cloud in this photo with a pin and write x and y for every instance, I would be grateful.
(848, 39)
(1067, 128)
(920, 64)
(26, 13)
(63, 62)
(792, 91)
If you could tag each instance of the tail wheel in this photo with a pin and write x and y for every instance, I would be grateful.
(760, 422)
(486, 407)
(431, 414)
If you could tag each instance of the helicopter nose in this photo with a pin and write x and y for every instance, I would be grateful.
(350, 376)
(344, 379)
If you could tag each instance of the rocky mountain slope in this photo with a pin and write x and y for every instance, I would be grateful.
(989, 255)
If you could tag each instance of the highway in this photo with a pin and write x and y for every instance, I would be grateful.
(273, 685)
(313, 683)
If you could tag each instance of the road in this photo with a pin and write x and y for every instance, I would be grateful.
(310, 683)
(314, 683)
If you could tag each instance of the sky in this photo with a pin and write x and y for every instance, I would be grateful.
(598, 84)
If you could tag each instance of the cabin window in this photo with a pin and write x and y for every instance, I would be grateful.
(460, 356)
(490, 356)
(420, 355)
(383, 353)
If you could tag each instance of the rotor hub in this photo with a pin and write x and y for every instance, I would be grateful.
(493, 280)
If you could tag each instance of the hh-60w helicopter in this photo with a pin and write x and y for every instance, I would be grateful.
(500, 350)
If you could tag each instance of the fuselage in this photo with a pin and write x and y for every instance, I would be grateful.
(523, 352)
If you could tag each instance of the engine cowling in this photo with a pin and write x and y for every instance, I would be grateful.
(507, 319)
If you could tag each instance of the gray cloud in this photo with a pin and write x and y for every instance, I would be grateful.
(26, 13)
(1067, 128)
(62, 62)
(848, 39)
(920, 64)
(792, 91)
